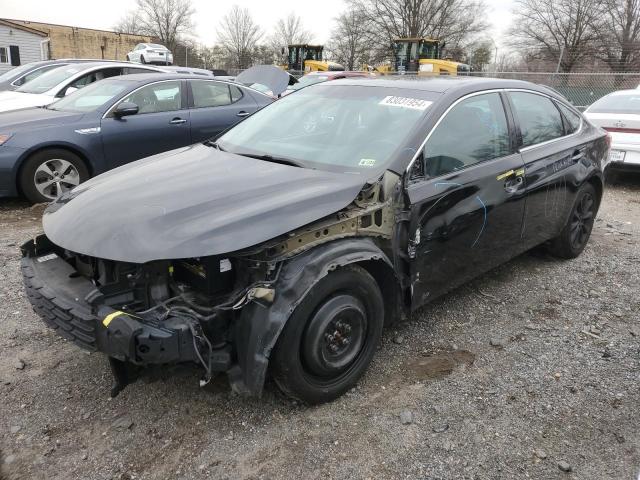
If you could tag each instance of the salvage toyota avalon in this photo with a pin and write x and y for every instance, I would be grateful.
(283, 247)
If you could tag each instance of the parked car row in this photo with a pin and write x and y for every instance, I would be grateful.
(95, 116)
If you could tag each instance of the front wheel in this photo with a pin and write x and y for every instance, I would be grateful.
(49, 173)
(575, 234)
(330, 338)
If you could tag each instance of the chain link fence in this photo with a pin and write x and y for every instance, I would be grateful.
(581, 89)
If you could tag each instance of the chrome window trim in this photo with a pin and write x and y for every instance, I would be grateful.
(114, 105)
(495, 90)
(474, 94)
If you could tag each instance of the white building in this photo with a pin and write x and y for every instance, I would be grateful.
(20, 44)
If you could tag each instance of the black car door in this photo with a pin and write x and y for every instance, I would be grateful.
(551, 154)
(466, 196)
(161, 124)
(215, 106)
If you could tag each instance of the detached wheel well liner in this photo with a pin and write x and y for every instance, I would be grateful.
(258, 327)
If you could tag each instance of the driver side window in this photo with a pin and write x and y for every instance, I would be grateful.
(473, 131)
(157, 97)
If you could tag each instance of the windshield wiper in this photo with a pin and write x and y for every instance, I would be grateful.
(271, 158)
(211, 143)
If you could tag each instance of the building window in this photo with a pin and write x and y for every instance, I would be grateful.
(4, 55)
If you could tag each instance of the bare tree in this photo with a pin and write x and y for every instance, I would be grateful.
(166, 20)
(564, 31)
(621, 35)
(238, 35)
(288, 30)
(350, 44)
(130, 24)
(452, 21)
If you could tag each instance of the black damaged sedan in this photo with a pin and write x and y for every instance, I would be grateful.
(285, 246)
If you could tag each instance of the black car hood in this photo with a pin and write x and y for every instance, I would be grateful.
(192, 202)
(30, 118)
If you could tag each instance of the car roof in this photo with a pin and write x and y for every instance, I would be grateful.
(443, 84)
(145, 77)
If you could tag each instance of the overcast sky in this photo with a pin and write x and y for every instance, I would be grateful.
(317, 15)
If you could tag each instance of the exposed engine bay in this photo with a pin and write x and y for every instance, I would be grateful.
(189, 310)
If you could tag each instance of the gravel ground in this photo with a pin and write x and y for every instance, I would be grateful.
(530, 371)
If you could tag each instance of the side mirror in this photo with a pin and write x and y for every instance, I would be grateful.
(70, 90)
(125, 109)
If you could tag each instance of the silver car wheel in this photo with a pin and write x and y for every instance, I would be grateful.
(55, 177)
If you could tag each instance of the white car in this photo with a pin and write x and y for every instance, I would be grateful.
(61, 81)
(619, 114)
(150, 53)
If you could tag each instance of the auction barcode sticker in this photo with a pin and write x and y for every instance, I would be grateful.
(405, 102)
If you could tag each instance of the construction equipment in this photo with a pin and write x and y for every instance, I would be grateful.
(308, 58)
(422, 56)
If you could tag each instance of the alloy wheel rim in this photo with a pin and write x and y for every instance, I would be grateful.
(582, 221)
(55, 177)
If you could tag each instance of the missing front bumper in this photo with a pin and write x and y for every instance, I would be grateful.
(59, 296)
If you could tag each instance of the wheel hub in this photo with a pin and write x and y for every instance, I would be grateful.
(335, 336)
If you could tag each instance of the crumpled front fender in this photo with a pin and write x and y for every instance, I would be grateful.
(259, 326)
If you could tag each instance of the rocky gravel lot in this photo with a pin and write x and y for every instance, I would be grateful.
(531, 371)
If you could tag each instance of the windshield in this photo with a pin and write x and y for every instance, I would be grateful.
(339, 128)
(622, 103)
(15, 72)
(91, 97)
(47, 81)
(308, 80)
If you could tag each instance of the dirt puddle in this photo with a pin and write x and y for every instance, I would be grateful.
(438, 365)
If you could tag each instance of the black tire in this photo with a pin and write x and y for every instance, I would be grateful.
(575, 234)
(128, 58)
(331, 337)
(142, 59)
(27, 177)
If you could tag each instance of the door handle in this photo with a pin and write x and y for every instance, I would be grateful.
(242, 114)
(513, 184)
(177, 121)
(577, 155)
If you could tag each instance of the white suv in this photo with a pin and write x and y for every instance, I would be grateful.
(150, 53)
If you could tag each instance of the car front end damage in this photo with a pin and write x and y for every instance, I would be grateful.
(223, 313)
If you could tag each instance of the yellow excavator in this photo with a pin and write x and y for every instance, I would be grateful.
(421, 56)
(308, 58)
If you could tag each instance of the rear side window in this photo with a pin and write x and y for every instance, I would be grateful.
(571, 119)
(539, 118)
(210, 94)
(473, 131)
(236, 93)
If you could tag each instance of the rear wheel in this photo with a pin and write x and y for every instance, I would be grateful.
(575, 234)
(330, 338)
(142, 59)
(49, 173)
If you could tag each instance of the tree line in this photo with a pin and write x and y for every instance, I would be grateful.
(546, 35)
